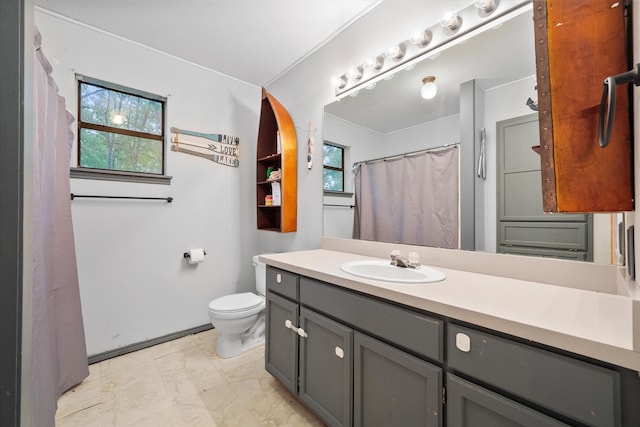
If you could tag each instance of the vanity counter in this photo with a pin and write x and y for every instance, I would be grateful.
(594, 324)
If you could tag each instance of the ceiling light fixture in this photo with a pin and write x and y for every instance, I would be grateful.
(429, 87)
(454, 28)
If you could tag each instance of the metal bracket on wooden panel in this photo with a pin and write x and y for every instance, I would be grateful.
(631, 253)
(608, 101)
(545, 150)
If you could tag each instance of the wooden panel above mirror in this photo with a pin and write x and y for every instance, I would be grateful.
(578, 44)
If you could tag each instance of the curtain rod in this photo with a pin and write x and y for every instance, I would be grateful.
(76, 196)
(410, 153)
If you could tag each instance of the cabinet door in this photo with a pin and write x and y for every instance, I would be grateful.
(281, 352)
(393, 388)
(469, 405)
(326, 368)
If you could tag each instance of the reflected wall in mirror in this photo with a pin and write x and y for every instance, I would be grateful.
(393, 119)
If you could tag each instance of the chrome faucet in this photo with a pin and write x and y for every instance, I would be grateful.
(399, 261)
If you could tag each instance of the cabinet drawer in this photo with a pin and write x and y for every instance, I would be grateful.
(544, 252)
(558, 235)
(282, 282)
(575, 389)
(408, 329)
(467, 401)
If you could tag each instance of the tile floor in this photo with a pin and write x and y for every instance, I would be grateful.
(182, 383)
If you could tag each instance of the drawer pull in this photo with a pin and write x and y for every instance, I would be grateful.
(298, 331)
(463, 342)
(339, 352)
(279, 278)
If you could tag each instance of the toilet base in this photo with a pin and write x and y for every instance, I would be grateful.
(231, 345)
(234, 344)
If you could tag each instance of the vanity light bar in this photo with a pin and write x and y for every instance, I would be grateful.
(472, 21)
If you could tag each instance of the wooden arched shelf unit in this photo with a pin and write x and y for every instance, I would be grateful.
(275, 122)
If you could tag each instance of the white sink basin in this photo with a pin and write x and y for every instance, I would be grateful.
(383, 270)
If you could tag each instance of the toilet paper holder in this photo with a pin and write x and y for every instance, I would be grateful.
(187, 255)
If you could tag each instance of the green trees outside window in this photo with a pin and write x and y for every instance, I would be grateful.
(118, 130)
(333, 167)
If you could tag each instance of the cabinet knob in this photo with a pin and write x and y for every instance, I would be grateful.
(339, 352)
(279, 278)
(463, 342)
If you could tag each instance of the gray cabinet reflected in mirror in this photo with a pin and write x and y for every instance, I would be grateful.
(488, 79)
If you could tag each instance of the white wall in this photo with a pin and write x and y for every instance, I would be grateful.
(426, 135)
(501, 103)
(134, 283)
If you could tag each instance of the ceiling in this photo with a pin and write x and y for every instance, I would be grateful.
(252, 40)
(255, 41)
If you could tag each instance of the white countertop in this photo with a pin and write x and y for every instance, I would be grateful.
(594, 324)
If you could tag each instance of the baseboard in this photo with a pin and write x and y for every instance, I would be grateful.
(144, 344)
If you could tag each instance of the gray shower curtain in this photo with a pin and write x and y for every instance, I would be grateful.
(59, 354)
(411, 199)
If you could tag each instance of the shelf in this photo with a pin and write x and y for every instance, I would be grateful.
(271, 158)
(276, 133)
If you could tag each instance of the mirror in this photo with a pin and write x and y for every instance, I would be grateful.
(392, 118)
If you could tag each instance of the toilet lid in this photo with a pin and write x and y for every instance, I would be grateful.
(235, 302)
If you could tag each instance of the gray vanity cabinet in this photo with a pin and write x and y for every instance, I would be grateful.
(326, 368)
(391, 385)
(570, 389)
(355, 359)
(308, 353)
(393, 388)
(469, 405)
(281, 351)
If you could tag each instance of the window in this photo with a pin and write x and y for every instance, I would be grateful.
(120, 129)
(333, 167)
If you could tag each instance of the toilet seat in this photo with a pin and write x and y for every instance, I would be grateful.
(244, 303)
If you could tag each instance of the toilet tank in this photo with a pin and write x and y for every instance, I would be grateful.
(261, 276)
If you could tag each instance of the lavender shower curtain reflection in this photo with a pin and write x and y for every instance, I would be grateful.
(410, 199)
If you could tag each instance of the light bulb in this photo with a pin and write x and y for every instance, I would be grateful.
(395, 52)
(485, 5)
(356, 73)
(421, 38)
(451, 21)
(375, 63)
(429, 88)
(340, 82)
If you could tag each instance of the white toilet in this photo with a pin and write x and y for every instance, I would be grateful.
(239, 318)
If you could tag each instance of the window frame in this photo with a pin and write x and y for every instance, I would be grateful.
(343, 192)
(84, 172)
